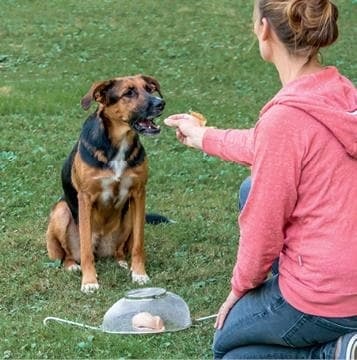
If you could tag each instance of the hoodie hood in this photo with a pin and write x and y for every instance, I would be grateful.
(329, 98)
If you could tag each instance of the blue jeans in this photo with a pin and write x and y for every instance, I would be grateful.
(262, 325)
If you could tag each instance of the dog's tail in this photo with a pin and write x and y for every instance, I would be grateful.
(155, 219)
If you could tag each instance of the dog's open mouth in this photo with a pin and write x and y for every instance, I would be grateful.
(146, 127)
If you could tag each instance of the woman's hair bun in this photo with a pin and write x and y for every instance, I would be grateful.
(314, 22)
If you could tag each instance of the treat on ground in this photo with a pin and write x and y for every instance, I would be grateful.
(144, 321)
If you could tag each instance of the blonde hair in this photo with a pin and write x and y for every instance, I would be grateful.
(303, 26)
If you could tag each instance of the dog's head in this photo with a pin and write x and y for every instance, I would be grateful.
(130, 101)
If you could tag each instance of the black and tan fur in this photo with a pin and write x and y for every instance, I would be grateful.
(102, 212)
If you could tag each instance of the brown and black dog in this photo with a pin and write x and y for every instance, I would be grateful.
(102, 211)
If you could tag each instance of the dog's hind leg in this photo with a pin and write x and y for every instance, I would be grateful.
(54, 248)
(57, 226)
(60, 229)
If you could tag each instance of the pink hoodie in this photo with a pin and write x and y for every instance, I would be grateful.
(302, 206)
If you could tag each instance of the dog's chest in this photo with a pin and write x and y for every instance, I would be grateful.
(115, 191)
(116, 188)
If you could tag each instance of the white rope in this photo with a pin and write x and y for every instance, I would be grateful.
(206, 318)
(97, 328)
(52, 318)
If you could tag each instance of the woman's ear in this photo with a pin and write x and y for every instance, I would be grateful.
(264, 29)
(265, 36)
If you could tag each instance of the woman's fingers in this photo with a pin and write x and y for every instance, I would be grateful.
(179, 135)
(179, 119)
(188, 130)
(224, 309)
(222, 314)
(174, 120)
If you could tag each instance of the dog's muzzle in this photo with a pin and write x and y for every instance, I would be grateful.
(144, 124)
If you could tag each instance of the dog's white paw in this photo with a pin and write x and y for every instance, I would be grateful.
(89, 288)
(123, 264)
(74, 268)
(139, 279)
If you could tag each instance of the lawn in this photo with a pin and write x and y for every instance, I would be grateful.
(204, 55)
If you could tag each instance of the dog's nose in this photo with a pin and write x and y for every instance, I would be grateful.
(158, 103)
(161, 105)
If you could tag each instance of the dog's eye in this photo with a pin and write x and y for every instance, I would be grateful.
(149, 89)
(130, 93)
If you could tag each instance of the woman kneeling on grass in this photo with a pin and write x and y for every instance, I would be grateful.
(302, 207)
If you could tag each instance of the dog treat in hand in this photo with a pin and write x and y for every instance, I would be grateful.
(201, 119)
(144, 321)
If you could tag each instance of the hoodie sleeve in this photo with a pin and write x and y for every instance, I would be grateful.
(230, 145)
(275, 176)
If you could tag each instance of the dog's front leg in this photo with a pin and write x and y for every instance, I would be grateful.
(89, 276)
(138, 253)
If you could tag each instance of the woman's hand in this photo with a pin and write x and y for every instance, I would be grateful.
(188, 129)
(224, 309)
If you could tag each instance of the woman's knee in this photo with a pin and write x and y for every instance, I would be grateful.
(218, 345)
(228, 338)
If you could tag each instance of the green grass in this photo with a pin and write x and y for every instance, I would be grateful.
(203, 54)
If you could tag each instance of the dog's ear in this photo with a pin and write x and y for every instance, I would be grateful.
(96, 92)
(152, 82)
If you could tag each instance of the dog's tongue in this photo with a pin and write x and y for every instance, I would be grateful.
(146, 127)
(147, 124)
